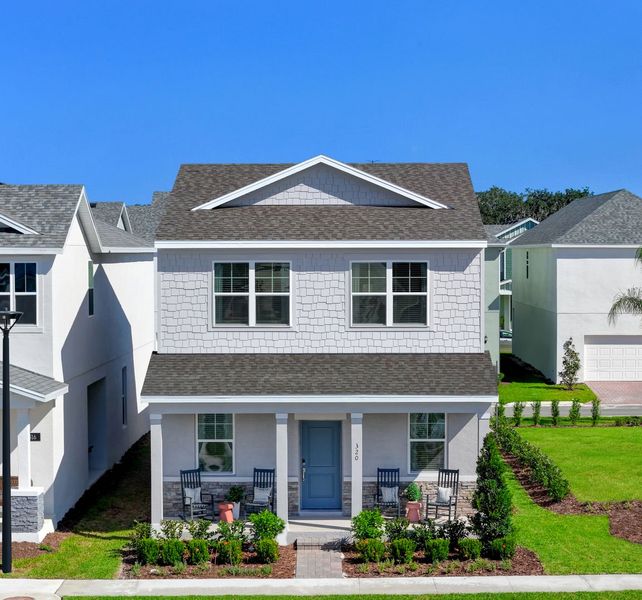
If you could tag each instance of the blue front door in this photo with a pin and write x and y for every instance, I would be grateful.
(321, 465)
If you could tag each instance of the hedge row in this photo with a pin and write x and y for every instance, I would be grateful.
(543, 470)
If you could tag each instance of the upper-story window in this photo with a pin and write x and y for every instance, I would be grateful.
(252, 293)
(19, 290)
(389, 293)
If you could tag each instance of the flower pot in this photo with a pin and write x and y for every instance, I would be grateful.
(225, 511)
(236, 510)
(413, 510)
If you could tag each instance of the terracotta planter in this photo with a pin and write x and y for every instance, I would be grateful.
(225, 511)
(413, 511)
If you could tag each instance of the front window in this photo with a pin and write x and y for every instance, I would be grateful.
(252, 293)
(427, 439)
(19, 290)
(389, 293)
(215, 443)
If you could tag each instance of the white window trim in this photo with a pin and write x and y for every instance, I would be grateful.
(233, 440)
(12, 291)
(389, 294)
(252, 294)
(444, 440)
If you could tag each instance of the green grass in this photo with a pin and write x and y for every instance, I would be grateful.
(518, 391)
(569, 544)
(99, 525)
(602, 464)
(630, 595)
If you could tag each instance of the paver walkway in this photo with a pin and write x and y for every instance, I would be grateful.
(318, 562)
(617, 392)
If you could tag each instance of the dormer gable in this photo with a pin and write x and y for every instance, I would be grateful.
(11, 225)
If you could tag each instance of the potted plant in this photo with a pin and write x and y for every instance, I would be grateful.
(413, 505)
(235, 495)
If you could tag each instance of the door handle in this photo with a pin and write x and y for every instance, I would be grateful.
(302, 470)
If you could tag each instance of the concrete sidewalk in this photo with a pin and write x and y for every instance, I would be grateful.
(50, 589)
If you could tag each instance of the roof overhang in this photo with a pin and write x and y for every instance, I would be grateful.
(22, 251)
(318, 160)
(516, 225)
(579, 246)
(316, 244)
(315, 399)
(19, 227)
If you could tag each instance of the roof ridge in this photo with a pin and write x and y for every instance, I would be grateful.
(599, 207)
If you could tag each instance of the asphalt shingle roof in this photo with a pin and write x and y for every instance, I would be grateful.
(33, 382)
(145, 218)
(606, 219)
(47, 209)
(113, 237)
(449, 374)
(448, 183)
(108, 212)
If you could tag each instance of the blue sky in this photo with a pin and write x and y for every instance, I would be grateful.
(116, 95)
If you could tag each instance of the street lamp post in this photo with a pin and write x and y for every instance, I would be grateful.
(8, 319)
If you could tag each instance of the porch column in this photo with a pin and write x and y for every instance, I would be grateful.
(356, 456)
(156, 440)
(282, 471)
(484, 427)
(23, 428)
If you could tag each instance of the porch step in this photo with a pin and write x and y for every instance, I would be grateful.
(326, 541)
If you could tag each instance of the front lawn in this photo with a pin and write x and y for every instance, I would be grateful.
(523, 383)
(602, 464)
(569, 544)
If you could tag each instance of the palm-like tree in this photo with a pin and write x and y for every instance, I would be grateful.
(629, 302)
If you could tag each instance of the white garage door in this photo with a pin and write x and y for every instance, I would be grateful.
(613, 361)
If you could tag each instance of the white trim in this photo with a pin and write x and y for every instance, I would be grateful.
(19, 227)
(13, 295)
(36, 395)
(128, 250)
(580, 246)
(14, 250)
(316, 244)
(409, 470)
(515, 226)
(316, 160)
(317, 399)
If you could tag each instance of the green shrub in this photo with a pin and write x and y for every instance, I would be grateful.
(147, 551)
(492, 499)
(397, 529)
(518, 410)
(197, 551)
(595, 411)
(536, 406)
(470, 548)
(402, 550)
(171, 551)
(436, 550)
(370, 550)
(226, 532)
(235, 494)
(574, 413)
(502, 548)
(454, 532)
(570, 365)
(555, 412)
(171, 529)
(266, 525)
(501, 410)
(368, 525)
(422, 533)
(267, 550)
(140, 531)
(230, 552)
(199, 529)
(413, 492)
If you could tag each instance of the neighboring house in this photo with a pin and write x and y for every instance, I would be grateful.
(112, 213)
(507, 233)
(145, 218)
(80, 350)
(492, 257)
(566, 274)
(322, 319)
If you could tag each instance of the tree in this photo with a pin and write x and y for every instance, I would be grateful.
(570, 365)
(629, 302)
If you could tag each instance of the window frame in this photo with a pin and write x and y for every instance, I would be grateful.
(390, 295)
(252, 295)
(444, 440)
(197, 439)
(13, 294)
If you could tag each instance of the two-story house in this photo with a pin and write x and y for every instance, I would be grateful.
(323, 319)
(80, 350)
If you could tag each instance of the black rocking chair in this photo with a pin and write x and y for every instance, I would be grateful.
(263, 479)
(196, 504)
(448, 478)
(388, 479)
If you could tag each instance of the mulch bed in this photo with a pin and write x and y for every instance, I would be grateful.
(284, 568)
(625, 518)
(525, 562)
(30, 550)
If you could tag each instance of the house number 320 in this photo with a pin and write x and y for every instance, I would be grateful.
(356, 451)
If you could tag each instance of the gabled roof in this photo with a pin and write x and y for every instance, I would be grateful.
(111, 212)
(33, 385)
(145, 218)
(113, 238)
(614, 218)
(446, 183)
(308, 374)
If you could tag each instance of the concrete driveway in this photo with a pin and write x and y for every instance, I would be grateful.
(617, 392)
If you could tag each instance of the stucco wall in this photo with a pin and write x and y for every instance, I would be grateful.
(321, 305)
(491, 302)
(323, 185)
